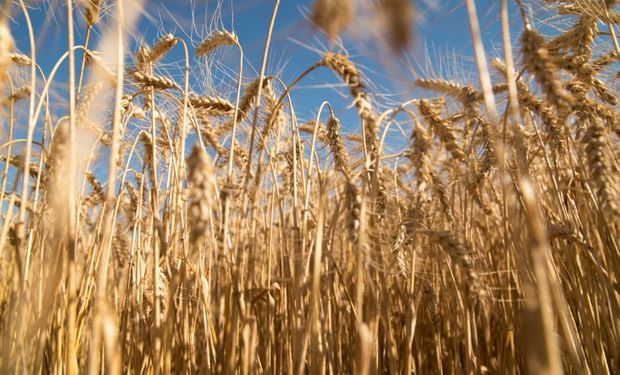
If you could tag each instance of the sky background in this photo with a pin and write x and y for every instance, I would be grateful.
(441, 41)
(441, 47)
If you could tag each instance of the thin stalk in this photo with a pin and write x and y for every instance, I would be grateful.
(8, 152)
(113, 364)
(233, 137)
(181, 164)
(83, 63)
(71, 352)
(259, 93)
(514, 120)
(21, 221)
(481, 63)
(612, 31)
(513, 95)
(314, 133)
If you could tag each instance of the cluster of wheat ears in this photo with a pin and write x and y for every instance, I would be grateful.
(231, 237)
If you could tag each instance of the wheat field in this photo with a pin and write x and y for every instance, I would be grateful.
(149, 228)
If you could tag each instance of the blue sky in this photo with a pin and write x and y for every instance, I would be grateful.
(441, 45)
(441, 32)
(441, 23)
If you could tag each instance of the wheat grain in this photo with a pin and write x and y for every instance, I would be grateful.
(92, 11)
(211, 104)
(420, 155)
(156, 82)
(20, 59)
(201, 180)
(20, 93)
(350, 75)
(605, 183)
(398, 22)
(332, 16)
(215, 40)
(539, 62)
(341, 159)
(163, 45)
(441, 127)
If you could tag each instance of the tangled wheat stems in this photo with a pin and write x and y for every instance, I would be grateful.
(454, 225)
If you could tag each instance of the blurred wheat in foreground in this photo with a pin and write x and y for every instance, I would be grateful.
(231, 236)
